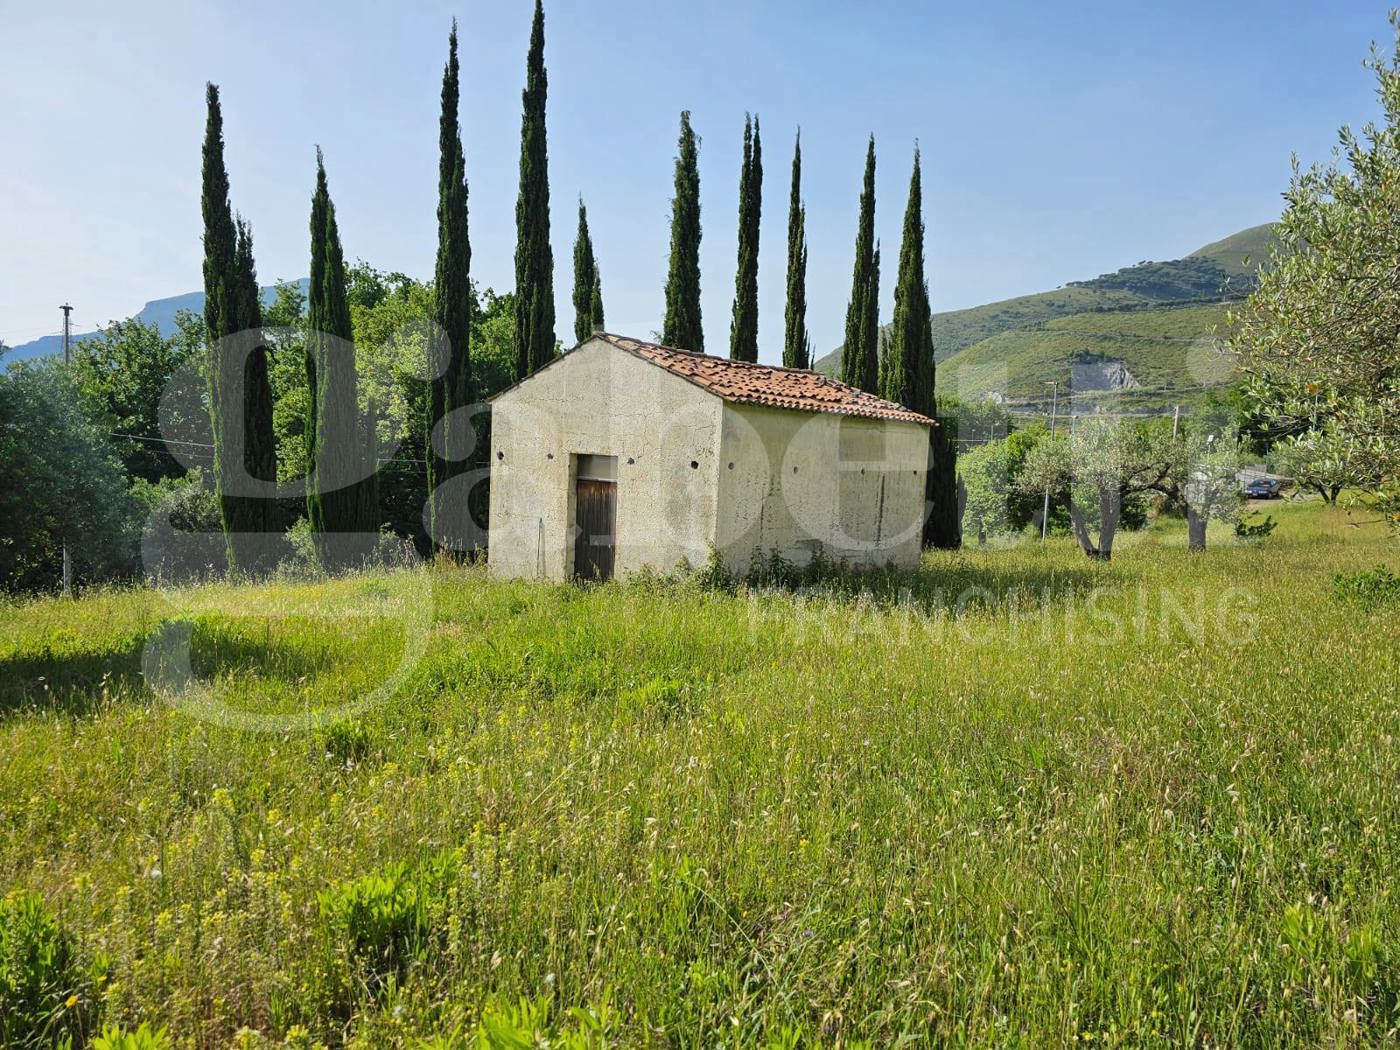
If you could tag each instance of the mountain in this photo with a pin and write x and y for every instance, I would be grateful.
(1158, 320)
(159, 312)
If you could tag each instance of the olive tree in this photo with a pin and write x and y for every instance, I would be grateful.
(1319, 340)
(1091, 472)
(1204, 481)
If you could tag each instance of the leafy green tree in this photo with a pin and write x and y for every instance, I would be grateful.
(797, 344)
(60, 482)
(342, 490)
(493, 332)
(588, 284)
(860, 364)
(121, 373)
(987, 480)
(682, 327)
(534, 258)
(743, 331)
(284, 327)
(1095, 471)
(1317, 339)
(1206, 483)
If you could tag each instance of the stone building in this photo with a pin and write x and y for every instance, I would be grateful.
(622, 455)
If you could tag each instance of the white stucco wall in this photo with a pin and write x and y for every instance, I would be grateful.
(604, 401)
(799, 482)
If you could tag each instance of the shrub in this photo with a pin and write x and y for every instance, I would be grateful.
(1378, 586)
(348, 743)
(387, 917)
(143, 1038)
(1248, 529)
(41, 1000)
(381, 918)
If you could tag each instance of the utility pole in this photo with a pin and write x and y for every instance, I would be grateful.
(1054, 385)
(67, 558)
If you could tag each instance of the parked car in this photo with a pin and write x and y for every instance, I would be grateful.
(1263, 488)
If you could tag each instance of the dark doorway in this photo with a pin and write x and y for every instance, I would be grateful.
(595, 517)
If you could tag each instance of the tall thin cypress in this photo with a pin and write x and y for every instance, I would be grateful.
(342, 487)
(534, 259)
(797, 345)
(907, 368)
(860, 363)
(588, 284)
(743, 331)
(682, 326)
(870, 318)
(240, 397)
(908, 373)
(259, 439)
(451, 385)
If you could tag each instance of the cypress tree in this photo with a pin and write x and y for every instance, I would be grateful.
(743, 331)
(797, 346)
(534, 259)
(588, 284)
(682, 327)
(870, 317)
(259, 439)
(860, 353)
(450, 368)
(907, 367)
(943, 527)
(240, 395)
(220, 320)
(908, 373)
(342, 487)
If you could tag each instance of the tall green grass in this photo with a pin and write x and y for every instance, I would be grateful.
(1018, 799)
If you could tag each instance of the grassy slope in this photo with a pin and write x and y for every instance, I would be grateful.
(1015, 346)
(1240, 253)
(1172, 352)
(743, 815)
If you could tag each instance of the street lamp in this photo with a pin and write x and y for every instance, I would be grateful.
(1054, 385)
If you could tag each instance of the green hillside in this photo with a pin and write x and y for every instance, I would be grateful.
(1159, 319)
(1240, 254)
(1171, 353)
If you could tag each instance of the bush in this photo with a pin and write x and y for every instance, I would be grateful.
(143, 1038)
(41, 987)
(381, 918)
(1248, 529)
(1378, 586)
(60, 483)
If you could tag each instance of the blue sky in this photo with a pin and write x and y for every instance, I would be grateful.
(1060, 140)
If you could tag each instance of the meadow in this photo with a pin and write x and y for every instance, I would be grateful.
(1017, 799)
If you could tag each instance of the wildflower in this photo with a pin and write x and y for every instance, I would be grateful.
(70, 1002)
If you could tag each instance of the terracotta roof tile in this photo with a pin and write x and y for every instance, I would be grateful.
(755, 384)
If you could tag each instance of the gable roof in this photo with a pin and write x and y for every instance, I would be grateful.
(744, 382)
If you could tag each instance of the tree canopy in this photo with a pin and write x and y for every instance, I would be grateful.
(1319, 353)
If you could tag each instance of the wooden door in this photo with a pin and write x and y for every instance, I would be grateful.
(596, 521)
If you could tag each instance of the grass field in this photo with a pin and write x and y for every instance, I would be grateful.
(1019, 799)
